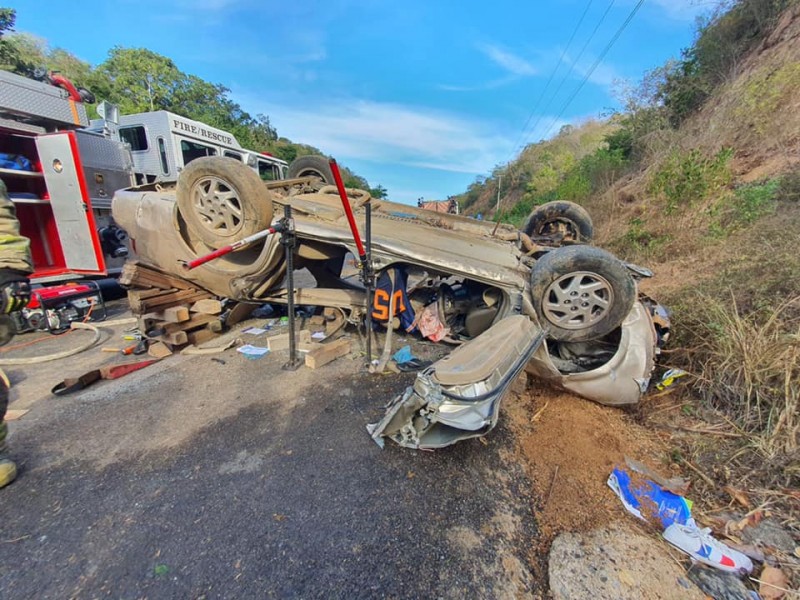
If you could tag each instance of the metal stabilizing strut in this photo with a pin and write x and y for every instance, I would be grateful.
(289, 242)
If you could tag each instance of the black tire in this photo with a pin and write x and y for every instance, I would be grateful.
(581, 293)
(222, 200)
(312, 166)
(560, 217)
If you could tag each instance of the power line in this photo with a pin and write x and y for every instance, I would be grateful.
(572, 67)
(596, 64)
(521, 137)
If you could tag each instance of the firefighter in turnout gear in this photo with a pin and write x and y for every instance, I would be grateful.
(15, 291)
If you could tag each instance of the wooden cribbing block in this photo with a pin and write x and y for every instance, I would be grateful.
(139, 275)
(281, 341)
(177, 338)
(207, 306)
(327, 353)
(176, 314)
(201, 336)
(308, 346)
(196, 321)
(164, 301)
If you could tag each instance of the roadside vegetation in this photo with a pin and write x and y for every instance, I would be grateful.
(140, 80)
(698, 177)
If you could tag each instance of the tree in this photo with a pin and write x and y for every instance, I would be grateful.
(141, 80)
(378, 192)
(8, 17)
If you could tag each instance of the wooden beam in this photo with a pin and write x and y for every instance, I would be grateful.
(207, 306)
(281, 341)
(327, 353)
(176, 314)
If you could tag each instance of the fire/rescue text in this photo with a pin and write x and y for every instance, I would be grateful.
(199, 131)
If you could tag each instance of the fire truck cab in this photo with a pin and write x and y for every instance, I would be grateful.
(163, 143)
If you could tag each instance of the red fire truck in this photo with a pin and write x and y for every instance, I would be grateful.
(61, 178)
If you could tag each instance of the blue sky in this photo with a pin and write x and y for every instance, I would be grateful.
(418, 96)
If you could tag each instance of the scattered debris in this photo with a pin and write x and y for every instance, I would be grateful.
(195, 351)
(254, 330)
(772, 583)
(252, 352)
(648, 501)
(702, 547)
(659, 507)
(70, 385)
(159, 350)
(14, 414)
(403, 355)
(670, 378)
(676, 485)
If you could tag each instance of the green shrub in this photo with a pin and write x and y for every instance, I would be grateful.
(744, 206)
(639, 242)
(622, 139)
(687, 178)
(721, 42)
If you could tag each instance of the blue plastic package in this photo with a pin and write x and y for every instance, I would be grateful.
(649, 501)
(403, 355)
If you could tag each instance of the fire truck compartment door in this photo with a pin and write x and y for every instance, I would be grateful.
(79, 240)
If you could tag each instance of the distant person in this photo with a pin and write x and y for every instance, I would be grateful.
(15, 291)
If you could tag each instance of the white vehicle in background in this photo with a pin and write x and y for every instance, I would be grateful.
(163, 143)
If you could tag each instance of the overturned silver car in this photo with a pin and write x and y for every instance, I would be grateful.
(541, 299)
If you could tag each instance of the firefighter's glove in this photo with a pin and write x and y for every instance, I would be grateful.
(15, 291)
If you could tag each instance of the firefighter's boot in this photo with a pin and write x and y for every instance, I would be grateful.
(8, 470)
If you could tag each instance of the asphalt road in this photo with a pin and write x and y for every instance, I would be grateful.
(193, 479)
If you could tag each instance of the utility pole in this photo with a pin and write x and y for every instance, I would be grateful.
(499, 183)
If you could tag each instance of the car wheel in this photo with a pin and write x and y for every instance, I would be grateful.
(563, 218)
(581, 292)
(312, 166)
(222, 200)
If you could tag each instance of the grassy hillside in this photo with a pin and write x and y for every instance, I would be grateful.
(699, 179)
(563, 167)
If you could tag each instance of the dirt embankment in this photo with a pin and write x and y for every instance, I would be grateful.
(570, 446)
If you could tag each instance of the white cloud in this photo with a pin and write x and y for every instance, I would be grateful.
(516, 67)
(392, 133)
(512, 63)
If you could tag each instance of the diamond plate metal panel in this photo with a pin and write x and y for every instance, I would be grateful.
(39, 104)
(66, 201)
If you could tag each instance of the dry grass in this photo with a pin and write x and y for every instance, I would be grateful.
(748, 368)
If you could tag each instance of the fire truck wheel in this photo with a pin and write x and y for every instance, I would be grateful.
(312, 166)
(222, 200)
